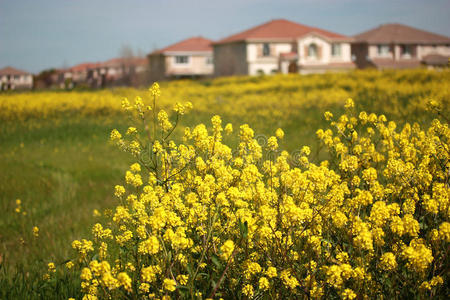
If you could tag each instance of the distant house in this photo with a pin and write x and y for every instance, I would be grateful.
(189, 58)
(117, 72)
(113, 72)
(73, 76)
(14, 79)
(400, 46)
(282, 46)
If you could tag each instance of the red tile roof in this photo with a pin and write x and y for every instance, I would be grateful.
(399, 33)
(279, 29)
(83, 67)
(12, 71)
(119, 61)
(194, 44)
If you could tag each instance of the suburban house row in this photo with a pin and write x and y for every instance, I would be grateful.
(131, 71)
(278, 46)
(282, 46)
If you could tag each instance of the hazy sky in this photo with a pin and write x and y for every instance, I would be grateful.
(39, 34)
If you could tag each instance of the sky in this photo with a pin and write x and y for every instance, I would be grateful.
(41, 34)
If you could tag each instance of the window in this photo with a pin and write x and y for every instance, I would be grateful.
(406, 50)
(383, 50)
(266, 49)
(182, 60)
(312, 51)
(336, 49)
(209, 60)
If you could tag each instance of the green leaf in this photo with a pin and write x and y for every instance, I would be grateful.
(243, 227)
(216, 261)
(189, 269)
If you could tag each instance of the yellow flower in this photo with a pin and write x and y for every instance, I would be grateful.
(86, 274)
(35, 231)
(169, 285)
(387, 261)
(124, 280)
(272, 143)
(115, 135)
(119, 191)
(264, 283)
(155, 90)
(348, 294)
(183, 279)
(228, 128)
(349, 103)
(51, 268)
(69, 265)
(279, 133)
(247, 290)
(227, 249)
(271, 272)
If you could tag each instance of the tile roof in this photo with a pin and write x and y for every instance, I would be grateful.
(399, 33)
(83, 67)
(279, 29)
(194, 44)
(120, 61)
(12, 71)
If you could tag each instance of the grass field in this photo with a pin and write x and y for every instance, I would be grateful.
(55, 155)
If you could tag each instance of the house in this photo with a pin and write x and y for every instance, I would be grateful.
(73, 76)
(282, 46)
(189, 58)
(400, 46)
(14, 79)
(118, 72)
(114, 72)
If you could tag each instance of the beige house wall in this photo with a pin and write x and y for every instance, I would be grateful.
(324, 51)
(230, 59)
(197, 65)
(257, 63)
(16, 81)
(373, 52)
(255, 51)
(418, 51)
(424, 50)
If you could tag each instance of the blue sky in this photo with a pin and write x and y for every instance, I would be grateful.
(39, 34)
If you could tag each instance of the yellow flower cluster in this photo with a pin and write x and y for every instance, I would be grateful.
(198, 218)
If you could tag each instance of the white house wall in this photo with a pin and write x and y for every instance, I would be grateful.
(325, 52)
(276, 50)
(346, 54)
(197, 65)
(321, 43)
(424, 50)
(266, 68)
(265, 64)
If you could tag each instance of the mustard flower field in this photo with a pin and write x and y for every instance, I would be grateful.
(330, 186)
